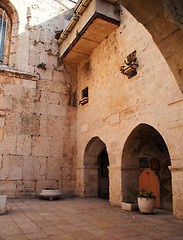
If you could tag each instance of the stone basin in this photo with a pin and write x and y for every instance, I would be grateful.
(50, 194)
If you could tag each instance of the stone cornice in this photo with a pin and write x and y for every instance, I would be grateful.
(176, 168)
(5, 70)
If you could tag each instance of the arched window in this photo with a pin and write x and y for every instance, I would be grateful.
(2, 36)
(5, 36)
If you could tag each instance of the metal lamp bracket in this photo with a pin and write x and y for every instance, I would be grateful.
(130, 66)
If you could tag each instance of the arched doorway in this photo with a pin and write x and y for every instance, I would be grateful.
(145, 162)
(96, 162)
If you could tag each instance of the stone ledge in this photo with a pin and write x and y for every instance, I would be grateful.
(176, 168)
(18, 74)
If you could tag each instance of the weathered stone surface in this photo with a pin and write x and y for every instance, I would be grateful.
(1, 134)
(9, 187)
(9, 144)
(34, 168)
(41, 146)
(24, 145)
(30, 124)
(40, 134)
(117, 105)
(3, 204)
(33, 102)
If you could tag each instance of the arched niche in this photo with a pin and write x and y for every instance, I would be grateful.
(146, 149)
(96, 180)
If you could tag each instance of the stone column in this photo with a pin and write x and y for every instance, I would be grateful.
(177, 188)
(91, 181)
(80, 181)
(115, 185)
(87, 181)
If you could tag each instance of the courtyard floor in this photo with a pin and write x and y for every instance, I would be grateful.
(84, 219)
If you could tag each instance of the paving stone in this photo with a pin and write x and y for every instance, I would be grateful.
(92, 219)
(39, 235)
(28, 227)
(16, 237)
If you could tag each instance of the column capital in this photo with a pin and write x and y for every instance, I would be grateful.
(176, 168)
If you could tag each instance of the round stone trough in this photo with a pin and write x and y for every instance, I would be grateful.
(50, 194)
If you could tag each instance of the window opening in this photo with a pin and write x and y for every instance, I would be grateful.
(2, 35)
(84, 96)
(84, 92)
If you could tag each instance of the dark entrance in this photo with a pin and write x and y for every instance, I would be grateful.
(103, 175)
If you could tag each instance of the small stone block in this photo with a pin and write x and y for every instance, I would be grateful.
(130, 206)
(3, 204)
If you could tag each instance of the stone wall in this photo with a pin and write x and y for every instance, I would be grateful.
(118, 104)
(37, 117)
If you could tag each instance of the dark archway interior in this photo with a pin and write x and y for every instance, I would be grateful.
(103, 175)
(96, 164)
(143, 148)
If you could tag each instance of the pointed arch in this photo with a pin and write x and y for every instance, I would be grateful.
(143, 148)
(9, 22)
(96, 162)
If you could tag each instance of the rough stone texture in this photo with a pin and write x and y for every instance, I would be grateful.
(37, 130)
(117, 105)
(3, 204)
(165, 25)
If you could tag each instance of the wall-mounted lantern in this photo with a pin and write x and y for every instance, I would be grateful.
(130, 65)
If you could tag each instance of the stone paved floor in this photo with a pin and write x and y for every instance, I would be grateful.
(84, 219)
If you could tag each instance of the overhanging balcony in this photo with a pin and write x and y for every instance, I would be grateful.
(93, 21)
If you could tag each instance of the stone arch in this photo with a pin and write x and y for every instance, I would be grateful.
(94, 184)
(145, 148)
(162, 19)
(11, 29)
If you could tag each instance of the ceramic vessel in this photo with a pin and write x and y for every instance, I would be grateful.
(146, 205)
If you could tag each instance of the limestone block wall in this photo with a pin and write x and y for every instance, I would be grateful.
(118, 104)
(37, 117)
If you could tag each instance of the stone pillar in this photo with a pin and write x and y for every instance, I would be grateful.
(87, 181)
(3, 204)
(115, 185)
(91, 181)
(177, 182)
(80, 181)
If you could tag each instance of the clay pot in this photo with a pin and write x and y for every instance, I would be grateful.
(146, 205)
